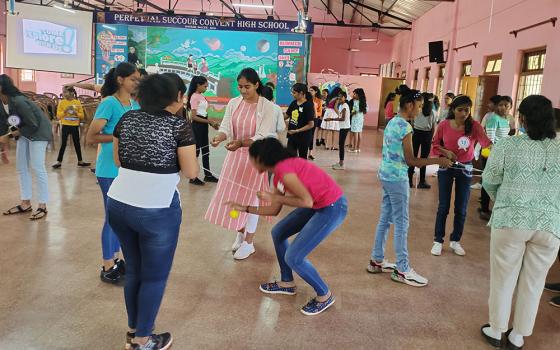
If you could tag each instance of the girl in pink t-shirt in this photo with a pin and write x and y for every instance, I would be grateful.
(455, 139)
(321, 207)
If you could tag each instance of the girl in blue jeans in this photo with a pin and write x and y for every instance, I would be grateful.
(455, 139)
(321, 209)
(143, 205)
(119, 84)
(398, 155)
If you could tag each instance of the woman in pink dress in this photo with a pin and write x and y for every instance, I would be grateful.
(247, 118)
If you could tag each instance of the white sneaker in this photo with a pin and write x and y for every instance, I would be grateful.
(436, 248)
(476, 186)
(244, 251)
(412, 278)
(337, 166)
(238, 240)
(385, 266)
(457, 248)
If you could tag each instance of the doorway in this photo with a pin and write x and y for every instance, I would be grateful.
(387, 85)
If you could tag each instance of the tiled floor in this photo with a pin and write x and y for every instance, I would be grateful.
(51, 297)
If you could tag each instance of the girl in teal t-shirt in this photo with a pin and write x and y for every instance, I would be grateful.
(120, 84)
(398, 155)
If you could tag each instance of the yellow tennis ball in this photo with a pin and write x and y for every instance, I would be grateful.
(234, 214)
(485, 152)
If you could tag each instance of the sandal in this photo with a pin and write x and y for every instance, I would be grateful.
(18, 209)
(38, 214)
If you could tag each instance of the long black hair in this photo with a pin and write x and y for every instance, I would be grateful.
(539, 117)
(362, 98)
(252, 76)
(111, 85)
(196, 81)
(300, 87)
(269, 152)
(7, 86)
(267, 93)
(334, 93)
(428, 106)
(317, 92)
(391, 97)
(408, 95)
(462, 100)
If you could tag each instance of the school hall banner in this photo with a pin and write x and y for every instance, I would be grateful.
(204, 22)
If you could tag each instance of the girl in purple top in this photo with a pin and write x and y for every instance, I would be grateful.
(321, 209)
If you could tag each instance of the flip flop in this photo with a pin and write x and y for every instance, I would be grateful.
(38, 214)
(18, 209)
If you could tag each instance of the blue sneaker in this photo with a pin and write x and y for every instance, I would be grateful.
(274, 288)
(314, 307)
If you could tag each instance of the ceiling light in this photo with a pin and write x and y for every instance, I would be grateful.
(366, 39)
(354, 50)
(254, 6)
(63, 9)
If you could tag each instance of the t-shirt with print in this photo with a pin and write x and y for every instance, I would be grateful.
(300, 116)
(393, 164)
(110, 109)
(322, 188)
(457, 142)
(200, 104)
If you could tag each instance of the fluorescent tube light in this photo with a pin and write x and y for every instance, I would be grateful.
(63, 9)
(258, 6)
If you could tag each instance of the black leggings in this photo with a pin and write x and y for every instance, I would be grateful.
(75, 132)
(421, 139)
(299, 144)
(202, 145)
(341, 140)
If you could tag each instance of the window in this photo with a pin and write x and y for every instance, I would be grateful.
(403, 74)
(530, 80)
(415, 81)
(439, 82)
(426, 80)
(467, 69)
(493, 65)
(27, 75)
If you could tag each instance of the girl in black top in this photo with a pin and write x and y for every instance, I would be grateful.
(300, 116)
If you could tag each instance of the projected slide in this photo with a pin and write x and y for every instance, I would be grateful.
(42, 37)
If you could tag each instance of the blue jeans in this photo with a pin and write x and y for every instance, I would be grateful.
(313, 225)
(109, 242)
(394, 210)
(462, 180)
(149, 238)
(31, 154)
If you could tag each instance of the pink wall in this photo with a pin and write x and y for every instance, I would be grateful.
(371, 86)
(329, 49)
(467, 21)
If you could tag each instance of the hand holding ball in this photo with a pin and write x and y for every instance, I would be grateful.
(485, 152)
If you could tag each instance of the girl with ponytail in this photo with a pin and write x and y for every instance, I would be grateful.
(455, 139)
(119, 86)
(398, 155)
(320, 208)
(248, 118)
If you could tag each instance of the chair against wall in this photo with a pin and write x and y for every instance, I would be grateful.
(89, 111)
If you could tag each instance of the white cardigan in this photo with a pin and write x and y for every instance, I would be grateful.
(266, 121)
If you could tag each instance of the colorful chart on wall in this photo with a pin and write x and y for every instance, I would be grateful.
(218, 55)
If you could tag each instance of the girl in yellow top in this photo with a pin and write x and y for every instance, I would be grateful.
(70, 113)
